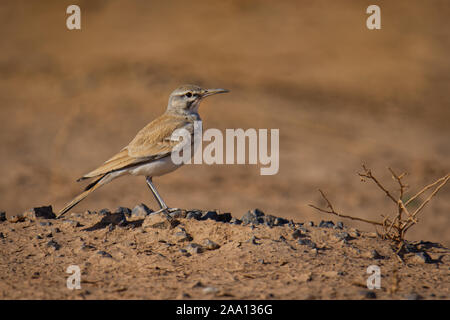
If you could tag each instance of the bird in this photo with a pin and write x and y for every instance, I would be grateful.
(149, 153)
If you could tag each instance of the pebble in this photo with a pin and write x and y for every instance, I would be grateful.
(123, 210)
(235, 221)
(194, 248)
(56, 230)
(253, 240)
(342, 236)
(297, 234)
(281, 221)
(224, 217)
(2, 216)
(422, 257)
(104, 212)
(141, 210)
(45, 223)
(73, 223)
(2, 236)
(210, 215)
(339, 225)
(116, 218)
(210, 290)
(326, 224)
(86, 247)
(253, 217)
(159, 221)
(45, 212)
(375, 255)
(311, 224)
(178, 214)
(183, 236)
(104, 254)
(210, 245)
(53, 244)
(307, 242)
(368, 294)
(194, 214)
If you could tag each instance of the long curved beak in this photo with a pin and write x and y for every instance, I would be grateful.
(210, 92)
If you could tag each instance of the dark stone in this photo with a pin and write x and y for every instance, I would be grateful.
(224, 217)
(423, 257)
(326, 224)
(269, 220)
(123, 210)
(104, 254)
(253, 217)
(2, 236)
(45, 223)
(281, 221)
(343, 236)
(53, 244)
(253, 240)
(210, 215)
(178, 214)
(141, 210)
(194, 248)
(307, 242)
(183, 236)
(45, 212)
(339, 225)
(297, 234)
(235, 221)
(2, 216)
(104, 212)
(194, 214)
(375, 255)
(409, 247)
(211, 245)
(117, 218)
(311, 224)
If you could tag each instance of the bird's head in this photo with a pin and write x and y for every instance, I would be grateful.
(186, 99)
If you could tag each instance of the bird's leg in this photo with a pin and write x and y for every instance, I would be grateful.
(162, 204)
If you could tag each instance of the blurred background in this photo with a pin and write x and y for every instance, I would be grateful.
(341, 95)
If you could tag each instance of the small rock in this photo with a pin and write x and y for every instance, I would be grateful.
(159, 221)
(116, 218)
(253, 217)
(326, 224)
(194, 248)
(45, 223)
(141, 210)
(2, 236)
(183, 236)
(422, 257)
(224, 217)
(56, 230)
(39, 237)
(123, 210)
(194, 214)
(104, 212)
(104, 254)
(73, 223)
(297, 234)
(86, 247)
(211, 245)
(281, 221)
(339, 225)
(269, 220)
(2, 216)
(375, 255)
(235, 221)
(53, 244)
(342, 236)
(210, 290)
(307, 242)
(178, 214)
(311, 224)
(210, 215)
(16, 218)
(45, 212)
(253, 240)
(368, 294)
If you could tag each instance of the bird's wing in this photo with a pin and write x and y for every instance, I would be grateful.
(151, 143)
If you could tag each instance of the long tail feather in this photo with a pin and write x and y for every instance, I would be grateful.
(90, 188)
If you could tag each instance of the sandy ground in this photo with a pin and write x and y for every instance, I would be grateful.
(140, 259)
(340, 94)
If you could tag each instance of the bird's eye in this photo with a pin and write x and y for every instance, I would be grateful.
(189, 94)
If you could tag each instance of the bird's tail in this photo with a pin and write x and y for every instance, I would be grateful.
(91, 187)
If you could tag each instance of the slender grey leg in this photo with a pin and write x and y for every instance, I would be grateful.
(155, 193)
(162, 204)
